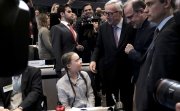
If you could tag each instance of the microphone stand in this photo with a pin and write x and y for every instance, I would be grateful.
(118, 104)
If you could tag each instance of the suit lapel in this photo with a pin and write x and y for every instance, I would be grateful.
(24, 80)
(111, 35)
(5, 95)
(66, 30)
(155, 39)
(122, 36)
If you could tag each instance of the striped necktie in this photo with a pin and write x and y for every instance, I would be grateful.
(115, 30)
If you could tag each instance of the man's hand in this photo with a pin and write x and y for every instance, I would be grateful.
(70, 2)
(128, 48)
(96, 26)
(92, 66)
(2, 109)
(18, 109)
(80, 47)
(178, 106)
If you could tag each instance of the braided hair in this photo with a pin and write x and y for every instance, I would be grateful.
(66, 59)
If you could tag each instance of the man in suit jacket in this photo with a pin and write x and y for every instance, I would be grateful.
(162, 57)
(63, 39)
(115, 65)
(30, 88)
(134, 13)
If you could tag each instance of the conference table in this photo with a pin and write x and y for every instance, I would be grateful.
(88, 109)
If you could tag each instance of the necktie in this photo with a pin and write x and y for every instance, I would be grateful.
(156, 32)
(72, 31)
(151, 47)
(115, 28)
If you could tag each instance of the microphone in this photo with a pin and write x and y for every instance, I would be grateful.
(114, 99)
(118, 104)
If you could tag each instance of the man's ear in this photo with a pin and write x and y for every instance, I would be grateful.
(62, 14)
(167, 3)
(68, 66)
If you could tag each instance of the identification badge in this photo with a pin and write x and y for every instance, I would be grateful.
(8, 88)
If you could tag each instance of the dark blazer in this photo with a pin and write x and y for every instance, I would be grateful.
(177, 17)
(144, 36)
(31, 86)
(114, 64)
(107, 51)
(86, 37)
(62, 42)
(162, 62)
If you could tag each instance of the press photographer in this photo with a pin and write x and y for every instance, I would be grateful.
(87, 27)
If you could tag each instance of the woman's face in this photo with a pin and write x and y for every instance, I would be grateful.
(76, 63)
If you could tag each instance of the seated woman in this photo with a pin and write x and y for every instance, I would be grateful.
(74, 88)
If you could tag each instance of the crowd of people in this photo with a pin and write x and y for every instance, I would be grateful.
(129, 46)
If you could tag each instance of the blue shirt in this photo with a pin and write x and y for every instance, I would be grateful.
(162, 23)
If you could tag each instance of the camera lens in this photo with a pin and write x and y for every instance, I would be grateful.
(168, 92)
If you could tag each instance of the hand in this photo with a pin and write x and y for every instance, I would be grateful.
(96, 26)
(92, 66)
(2, 109)
(178, 106)
(54, 8)
(70, 2)
(80, 47)
(18, 109)
(128, 48)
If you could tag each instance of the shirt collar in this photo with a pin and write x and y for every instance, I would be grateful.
(65, 23)
(162, 23)
(119, 25)
(79, 76)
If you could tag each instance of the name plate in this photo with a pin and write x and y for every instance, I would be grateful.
(90, 109)
(36, 63)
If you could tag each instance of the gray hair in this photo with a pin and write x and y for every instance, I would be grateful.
(118, 4)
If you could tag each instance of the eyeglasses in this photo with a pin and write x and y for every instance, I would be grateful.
(110, 13)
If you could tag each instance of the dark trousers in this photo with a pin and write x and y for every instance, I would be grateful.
(95, 88)
(116, 80)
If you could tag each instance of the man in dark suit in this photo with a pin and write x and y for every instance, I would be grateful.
(87, 31)
(63, 38)
(134, 13)
(26, 96)
(109, 50)
(162, 57)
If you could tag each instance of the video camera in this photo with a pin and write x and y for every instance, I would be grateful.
(167, 92)
(87, 21)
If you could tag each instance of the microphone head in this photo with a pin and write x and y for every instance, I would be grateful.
(118, 106)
